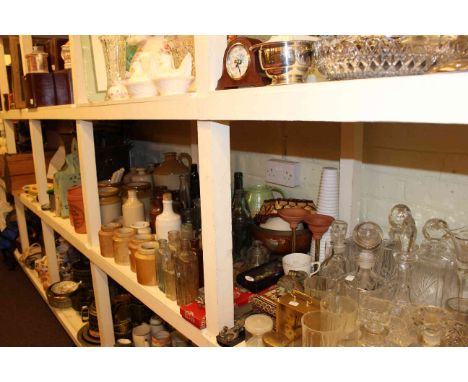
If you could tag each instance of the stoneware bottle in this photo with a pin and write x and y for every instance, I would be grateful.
(168, 220)
(132, 210)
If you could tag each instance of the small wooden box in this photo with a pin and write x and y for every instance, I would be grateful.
(63, 87)
(17, 170)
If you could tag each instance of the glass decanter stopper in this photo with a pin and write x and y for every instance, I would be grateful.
(396, 219)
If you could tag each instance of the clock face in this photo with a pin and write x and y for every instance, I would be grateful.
(237, 61)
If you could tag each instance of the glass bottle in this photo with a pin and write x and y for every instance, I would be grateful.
(240, 220)
(163, 255)
(156, 206)
(194, 182)
(168, 220)
(169, 265)
(198, 252)
(184, 191)
(186, 266)
(434, 277)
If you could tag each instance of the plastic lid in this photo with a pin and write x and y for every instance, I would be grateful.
(258, 324)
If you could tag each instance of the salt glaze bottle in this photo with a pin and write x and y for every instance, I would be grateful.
(168, 220)
(132, 210)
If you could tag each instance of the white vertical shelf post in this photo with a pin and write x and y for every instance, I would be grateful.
(37, 144)
(26, 46)
(85, 137)
(41, 181)
(215, 187)
(22, 227)
(350, 172)
(103, 306)
(10, 136)
(4, 87)
(78, 75)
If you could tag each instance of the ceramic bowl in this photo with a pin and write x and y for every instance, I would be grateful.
(279, 242)
(172, 86)
(141, 89)
(278, 224)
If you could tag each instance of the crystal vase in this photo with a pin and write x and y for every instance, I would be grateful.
(114, 47)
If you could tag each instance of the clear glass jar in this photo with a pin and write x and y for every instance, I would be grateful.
(121, 239)
(256, 326)
(257, 255)
(37, 60)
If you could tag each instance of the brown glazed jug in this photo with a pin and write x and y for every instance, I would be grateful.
(168, 172)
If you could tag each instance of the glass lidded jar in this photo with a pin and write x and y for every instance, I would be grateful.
(146, 265)
(257, 255)
(110, 204)
(37, 60)
(143, 193)
(105, 238)
(134, 244)
(122, 237)
(186, 267)
(256, 326)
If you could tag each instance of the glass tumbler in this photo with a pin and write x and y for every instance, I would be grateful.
(346, 308)
(321, 328)
(458, 307)
(319, 287)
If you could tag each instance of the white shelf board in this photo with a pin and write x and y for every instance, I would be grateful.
(430, 98)
(151, 296)
(69, 318)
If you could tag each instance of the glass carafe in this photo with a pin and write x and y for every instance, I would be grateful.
(186, 267)
(434, 277)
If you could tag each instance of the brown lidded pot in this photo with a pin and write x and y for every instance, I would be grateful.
(105, 238)
(134, 244)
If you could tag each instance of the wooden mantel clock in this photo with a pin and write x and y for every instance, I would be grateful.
(241, 66)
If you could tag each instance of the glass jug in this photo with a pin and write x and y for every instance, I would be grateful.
(257, 194)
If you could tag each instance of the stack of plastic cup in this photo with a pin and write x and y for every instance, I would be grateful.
(327, 204)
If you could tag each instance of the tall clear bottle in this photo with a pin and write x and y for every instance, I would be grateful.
(241, 220)
(186, 266)
(335, 265)
(169, 266)
(168, 220)
(163, 256)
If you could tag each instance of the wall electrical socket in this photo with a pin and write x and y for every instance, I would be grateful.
(283, 172)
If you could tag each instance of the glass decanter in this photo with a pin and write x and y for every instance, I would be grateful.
(368, 237)
(186, 267)
(114, 47)
(334, 266)
(386, 265)
(405, 259)
(434, 277)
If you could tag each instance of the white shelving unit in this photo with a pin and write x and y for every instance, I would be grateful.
(69, 318)
(433, 98)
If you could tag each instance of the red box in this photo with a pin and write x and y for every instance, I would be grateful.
(195, 313)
